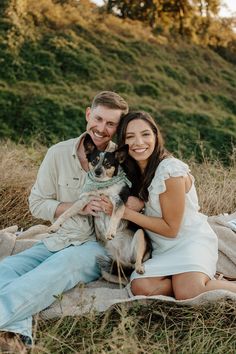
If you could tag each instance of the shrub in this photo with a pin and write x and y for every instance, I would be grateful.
(175, 74)
(228, 104)
(26, 116)
(188, 133)
(121, 54)
(147, 89)
(84, 65)
(123, 86)
(33, 53)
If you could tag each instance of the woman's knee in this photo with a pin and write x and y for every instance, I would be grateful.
(152, 286)
(187, 291)
(138, 287)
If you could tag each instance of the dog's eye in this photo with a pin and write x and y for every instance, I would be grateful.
(94, 162)
(107, 164)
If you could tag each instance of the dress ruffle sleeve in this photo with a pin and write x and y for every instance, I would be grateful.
(169, 167)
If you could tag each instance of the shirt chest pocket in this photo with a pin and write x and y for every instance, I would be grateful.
(69, 189)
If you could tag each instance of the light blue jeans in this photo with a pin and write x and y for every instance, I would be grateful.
(28, 281)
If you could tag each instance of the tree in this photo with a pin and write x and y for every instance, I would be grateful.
(182, 15)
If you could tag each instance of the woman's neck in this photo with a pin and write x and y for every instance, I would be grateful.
(142, 166)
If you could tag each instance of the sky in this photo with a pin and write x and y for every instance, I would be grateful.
(226, 10)
(230, 7)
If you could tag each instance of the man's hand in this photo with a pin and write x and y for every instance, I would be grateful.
(93, 207)
(134, 203)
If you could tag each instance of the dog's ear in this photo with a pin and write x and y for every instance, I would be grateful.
(122, 153)
(89, 145)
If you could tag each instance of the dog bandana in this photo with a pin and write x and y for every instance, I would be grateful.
(92, 183)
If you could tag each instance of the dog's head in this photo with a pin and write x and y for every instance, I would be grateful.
(103, 164)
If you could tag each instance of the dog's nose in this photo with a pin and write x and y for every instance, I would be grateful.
(98, 172)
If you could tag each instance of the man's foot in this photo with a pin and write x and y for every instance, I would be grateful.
(11, 343)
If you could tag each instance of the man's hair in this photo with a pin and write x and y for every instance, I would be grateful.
(111, 100)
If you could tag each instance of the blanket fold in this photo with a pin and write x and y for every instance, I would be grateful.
(227, 243)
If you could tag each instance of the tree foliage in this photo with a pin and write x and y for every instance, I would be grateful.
(192, 18)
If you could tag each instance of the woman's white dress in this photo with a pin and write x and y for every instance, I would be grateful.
(195, 248)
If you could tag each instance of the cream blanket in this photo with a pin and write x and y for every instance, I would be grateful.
(100, 295)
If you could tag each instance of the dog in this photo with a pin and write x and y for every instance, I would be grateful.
(126, 248)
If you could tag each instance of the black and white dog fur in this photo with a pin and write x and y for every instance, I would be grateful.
(126, 249)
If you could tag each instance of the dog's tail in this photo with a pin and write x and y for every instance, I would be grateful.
(113, 272)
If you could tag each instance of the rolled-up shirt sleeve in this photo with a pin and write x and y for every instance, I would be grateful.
(43, 197)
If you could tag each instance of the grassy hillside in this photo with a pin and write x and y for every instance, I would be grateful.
(55, 58)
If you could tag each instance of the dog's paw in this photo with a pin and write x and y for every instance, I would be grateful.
(109, 236)
(53, 228)
(139, 268)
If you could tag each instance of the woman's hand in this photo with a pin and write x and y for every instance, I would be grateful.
(134, 203)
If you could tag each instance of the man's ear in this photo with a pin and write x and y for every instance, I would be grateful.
(122, 153)
(89, 145)
(87, 113)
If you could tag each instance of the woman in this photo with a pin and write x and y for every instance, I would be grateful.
(185, 248)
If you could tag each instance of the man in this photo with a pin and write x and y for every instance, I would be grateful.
(30, 280)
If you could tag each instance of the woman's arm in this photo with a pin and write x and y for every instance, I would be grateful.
(172, 203)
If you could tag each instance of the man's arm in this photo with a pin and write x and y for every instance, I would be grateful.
(92, 208)
(61, 208)
(43, 201)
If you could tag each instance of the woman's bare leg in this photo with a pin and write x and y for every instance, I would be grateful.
(190, 284)
(152, 286)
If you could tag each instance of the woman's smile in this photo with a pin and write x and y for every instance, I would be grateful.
(141, 140)
(139, 150)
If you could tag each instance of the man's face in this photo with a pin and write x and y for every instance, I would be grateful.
(102, 123)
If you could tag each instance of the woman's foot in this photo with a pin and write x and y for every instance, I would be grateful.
(11, 343)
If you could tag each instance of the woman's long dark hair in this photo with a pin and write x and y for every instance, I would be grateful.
(141, 181)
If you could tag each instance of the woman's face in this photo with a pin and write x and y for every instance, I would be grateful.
(141, 140)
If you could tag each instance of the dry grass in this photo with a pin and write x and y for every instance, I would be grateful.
(18, 166)
(153, 327)
(216, 184)
(148, 328)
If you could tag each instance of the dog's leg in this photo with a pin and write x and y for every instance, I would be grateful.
(33, 231)
(106, 264)
(72, 211)
(11, 229)
(139, 245)
(117, 213)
